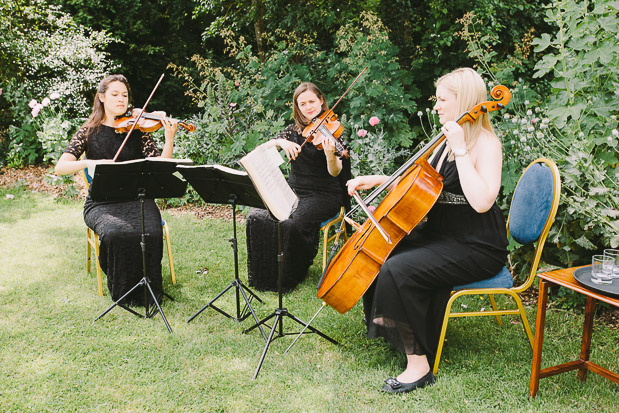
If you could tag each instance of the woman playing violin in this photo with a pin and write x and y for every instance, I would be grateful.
(317, 177)
(118, 224)
(464, 239)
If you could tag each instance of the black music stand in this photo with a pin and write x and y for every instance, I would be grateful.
(280, 312)
(222, 185)
(138, 179)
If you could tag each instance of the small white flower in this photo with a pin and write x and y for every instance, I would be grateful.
(433, 112)
(545, 121)
(526, 102)
(523, 139)
(420, 113)
(529, 112)
(515, 132)
(540, 135)
(543, 126)
(506, 116)
(581, 135)
(613, 117)
(515, 120)
(531, 129)
(610, 140)
(615, 132)
(512, 142)
(427, 109)
(491, 84)
(523, 121)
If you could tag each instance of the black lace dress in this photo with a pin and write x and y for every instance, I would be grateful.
(118, 224)
(320, 198)
(456, 246)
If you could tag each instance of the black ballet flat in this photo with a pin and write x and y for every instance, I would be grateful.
(394, 386)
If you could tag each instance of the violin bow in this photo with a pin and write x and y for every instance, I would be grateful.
(138, 119)
(331, 110)
(338, 101)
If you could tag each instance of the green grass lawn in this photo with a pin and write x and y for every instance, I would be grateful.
(54, 357)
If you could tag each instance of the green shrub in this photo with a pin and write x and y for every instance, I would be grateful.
(249, 101)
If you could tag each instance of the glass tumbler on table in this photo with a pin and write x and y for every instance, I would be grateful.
(601, 269)
(614, 255)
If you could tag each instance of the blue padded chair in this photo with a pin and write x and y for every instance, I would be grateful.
(339, 232)
(531, 214)
(92, 241)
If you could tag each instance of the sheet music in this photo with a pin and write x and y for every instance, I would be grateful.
(262, 166)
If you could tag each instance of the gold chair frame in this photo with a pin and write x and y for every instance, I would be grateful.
(338, 232)
(513, 291)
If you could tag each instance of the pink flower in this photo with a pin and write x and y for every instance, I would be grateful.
(232, 105)
(0, 90)
(32, 104)
(372, 208)
(237, 83)
(54, 95)
(36, 109)
(361, 133)
(45, 102)
(374, 121)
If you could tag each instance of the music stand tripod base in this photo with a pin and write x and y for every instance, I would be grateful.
(145, 282)
(237, 284)
(281, 312)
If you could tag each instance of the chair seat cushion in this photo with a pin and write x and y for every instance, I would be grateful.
(323, 223)
(503, 279)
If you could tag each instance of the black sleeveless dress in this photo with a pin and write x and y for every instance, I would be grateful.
(456, 246)
(320, 198)
(118, 224)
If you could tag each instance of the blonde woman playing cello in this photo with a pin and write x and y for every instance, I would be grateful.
(464, 239)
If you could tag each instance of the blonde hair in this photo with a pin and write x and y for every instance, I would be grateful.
(299, 119)
(470, 90)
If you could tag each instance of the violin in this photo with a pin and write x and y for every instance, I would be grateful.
(326, 126)
(148, 122)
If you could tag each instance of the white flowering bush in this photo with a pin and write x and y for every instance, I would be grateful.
(42, 51)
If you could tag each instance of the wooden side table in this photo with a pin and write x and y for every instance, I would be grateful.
(564, 278)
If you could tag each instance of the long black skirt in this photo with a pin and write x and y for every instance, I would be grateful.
(300, 238)
(119, 227)
(406, 303)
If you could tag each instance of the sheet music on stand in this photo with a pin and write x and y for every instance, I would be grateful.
(262, 166)
(119, 181)
(215, 184)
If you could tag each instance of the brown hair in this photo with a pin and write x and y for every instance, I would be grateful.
(98, 111)
(299, 119)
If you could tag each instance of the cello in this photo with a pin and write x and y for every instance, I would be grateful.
(351, 272)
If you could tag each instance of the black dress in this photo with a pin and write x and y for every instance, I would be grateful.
(118, 224)
(456, 246)
(320, 198)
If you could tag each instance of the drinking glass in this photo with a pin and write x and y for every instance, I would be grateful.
(601, 269)
(614, 255)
